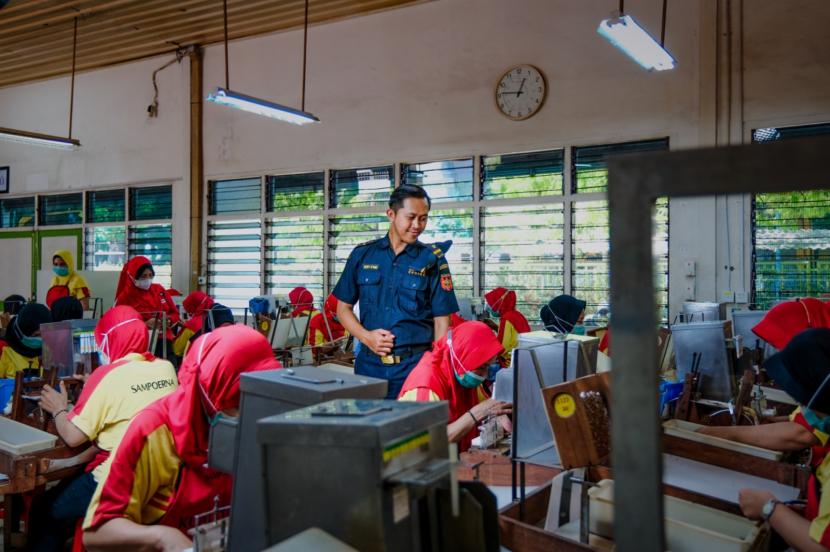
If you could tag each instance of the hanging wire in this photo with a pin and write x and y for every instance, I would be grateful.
(72, 80)
(622, 8)
(305, 51)
(225, 16)
(663, 26)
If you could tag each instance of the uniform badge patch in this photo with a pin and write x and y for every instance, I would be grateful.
(446, 282)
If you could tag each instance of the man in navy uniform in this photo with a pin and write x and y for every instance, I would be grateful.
(405, 291)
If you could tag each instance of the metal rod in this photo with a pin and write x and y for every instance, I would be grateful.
(225, 16)
(663, 25)
(72, 80)
(305, 53)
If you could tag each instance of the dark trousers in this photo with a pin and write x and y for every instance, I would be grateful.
(369, 364)
(54, 515)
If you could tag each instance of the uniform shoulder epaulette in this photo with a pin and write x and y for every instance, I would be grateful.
(370, 242)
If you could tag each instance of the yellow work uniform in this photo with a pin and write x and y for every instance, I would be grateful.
(78, 288)
(12, 362)
(182, 342)
(115, 393)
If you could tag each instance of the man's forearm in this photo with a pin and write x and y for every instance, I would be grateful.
(440, 325)
(345, 315)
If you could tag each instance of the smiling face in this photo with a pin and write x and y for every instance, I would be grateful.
(410, 221)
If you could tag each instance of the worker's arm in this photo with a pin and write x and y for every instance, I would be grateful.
(124, 534)
(441, 324)
(793, 528)
(380, 341)
(56, 403)
(465, 423)
(783, 436)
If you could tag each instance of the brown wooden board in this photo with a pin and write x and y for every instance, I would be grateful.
(572, 423)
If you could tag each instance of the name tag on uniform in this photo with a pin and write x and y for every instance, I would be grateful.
(413, 272)
(371, 267)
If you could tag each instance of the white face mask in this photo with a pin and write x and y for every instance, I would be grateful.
(144, 283)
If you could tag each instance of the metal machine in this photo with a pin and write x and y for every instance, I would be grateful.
(703, 345)
(234, 448)
(374, 474)
(69, 347)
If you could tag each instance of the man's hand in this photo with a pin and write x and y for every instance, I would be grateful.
(491, 407)
(752, 502)
(379, 341)
(170, 539)
(53, 401)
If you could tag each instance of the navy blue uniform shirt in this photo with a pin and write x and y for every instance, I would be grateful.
(400, 293)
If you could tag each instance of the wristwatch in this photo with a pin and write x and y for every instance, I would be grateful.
(768, 509)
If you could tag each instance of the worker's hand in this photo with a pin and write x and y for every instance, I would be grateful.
(752, 502)
(81, 377)
(52, 400)
(150, 323)
(170, 539)
(491, 407)
(705, 430)
(379, 341)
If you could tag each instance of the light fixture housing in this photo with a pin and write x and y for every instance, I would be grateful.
(261, 107)
(36, 138)
(627, 35)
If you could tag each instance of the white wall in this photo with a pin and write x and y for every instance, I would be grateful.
(416, 84)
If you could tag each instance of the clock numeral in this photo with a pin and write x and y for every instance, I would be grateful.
(502, 84)
(537, 79)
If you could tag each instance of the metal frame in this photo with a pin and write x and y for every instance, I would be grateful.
(635, 182)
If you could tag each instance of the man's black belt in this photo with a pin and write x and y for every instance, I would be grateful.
(399, 354)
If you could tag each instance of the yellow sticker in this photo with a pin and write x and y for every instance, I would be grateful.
(564, 405)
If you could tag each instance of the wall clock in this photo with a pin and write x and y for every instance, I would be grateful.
(521, 92)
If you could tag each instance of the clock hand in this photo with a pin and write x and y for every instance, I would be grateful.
(519, 93)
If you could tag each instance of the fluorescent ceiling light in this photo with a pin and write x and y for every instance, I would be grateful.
(35, 138)
(261, 107)
(624, 33)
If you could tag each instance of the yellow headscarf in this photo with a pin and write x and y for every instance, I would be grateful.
(76, 283)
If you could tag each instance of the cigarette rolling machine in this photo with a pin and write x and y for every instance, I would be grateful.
(233, 444)
(374, 474)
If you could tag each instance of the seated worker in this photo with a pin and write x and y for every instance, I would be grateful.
(454, 371)
(302, 302)
(67, 308)
(195, 306)
(157, 479)
(511, 322)
(137, 290)
(23, 342)
(562, 314)
(802, 369)
(217, 316)
(130, 379)
(66, 282)
(786, 320)
(11, 306)
(323, 330)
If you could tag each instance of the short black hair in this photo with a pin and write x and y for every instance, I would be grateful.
(405, 191)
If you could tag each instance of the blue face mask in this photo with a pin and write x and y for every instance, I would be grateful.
(816, 422)
(470, 380)
(62, 271)
(578, 329)
(32, 342)
(492, 370)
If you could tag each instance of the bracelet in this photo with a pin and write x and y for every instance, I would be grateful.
(56, 414)
(470, 412)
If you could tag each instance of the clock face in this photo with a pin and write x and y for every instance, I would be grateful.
(520, 92)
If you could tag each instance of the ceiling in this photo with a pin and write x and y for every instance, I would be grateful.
(36, 35)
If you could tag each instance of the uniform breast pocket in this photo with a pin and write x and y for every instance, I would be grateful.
(369, 283)
(412, 295)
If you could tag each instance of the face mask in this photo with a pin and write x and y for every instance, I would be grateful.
(61, 270)
(490, 313)
(144, 283)
(105, 357)
(492, 370)
(579, 329)
(32, 342)
(467, 379)
(816, 422)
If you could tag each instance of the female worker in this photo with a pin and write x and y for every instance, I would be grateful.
(325, 329)
(563, 313)
(511, 322)
(66, 308)
(786, 320)
(302, 304)
(66, 282)
(23, 341)
(130, 379)
(11, 306)
(137, 290)
(157, 480)
(454, 371)
(195, 305)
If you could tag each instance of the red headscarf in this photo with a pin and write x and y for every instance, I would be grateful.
(121, 331)
(148, 302)
(334, 329)
(473, 344)
(503, 301)
(786, 320)
(196, 304)
(301, 299)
